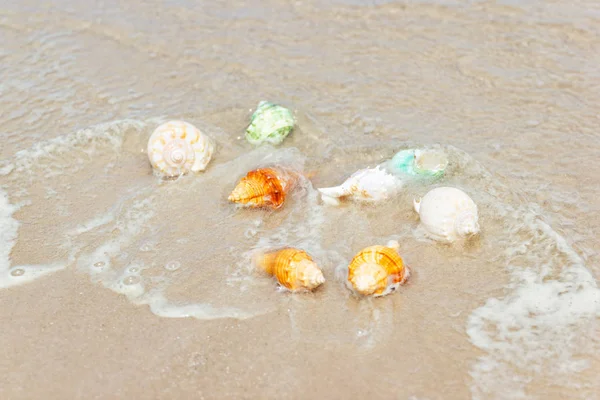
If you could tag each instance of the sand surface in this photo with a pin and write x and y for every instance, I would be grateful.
(509, 90)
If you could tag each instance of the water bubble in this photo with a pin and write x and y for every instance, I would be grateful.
(361, 333)
(131, 280)
(146, 247)
(99, 264)
(17, 272)
(172, 265)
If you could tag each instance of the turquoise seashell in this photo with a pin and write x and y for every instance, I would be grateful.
(404, 161)
(416, 162)
(270, 123)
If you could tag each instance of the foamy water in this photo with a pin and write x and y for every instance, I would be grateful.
(181, 249)
(506, 90)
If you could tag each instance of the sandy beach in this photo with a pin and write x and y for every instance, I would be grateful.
(92, 307)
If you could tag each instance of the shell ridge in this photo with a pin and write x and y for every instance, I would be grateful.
(171, 149)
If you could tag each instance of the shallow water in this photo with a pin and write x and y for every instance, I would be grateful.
(100, 261)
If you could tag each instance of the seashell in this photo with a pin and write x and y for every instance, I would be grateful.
(377, 270)
(293, 268)
(365, 185)
(448, 214)
(176, 148)
(264, 187)
(270, 123)
(419, 162)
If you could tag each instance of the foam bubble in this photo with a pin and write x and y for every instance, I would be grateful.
(131, 280)
(172, 265)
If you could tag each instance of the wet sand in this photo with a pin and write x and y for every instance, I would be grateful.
(513, 85)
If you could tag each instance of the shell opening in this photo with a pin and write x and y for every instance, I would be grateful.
(431, 161)
(369, 278)
(365, 284)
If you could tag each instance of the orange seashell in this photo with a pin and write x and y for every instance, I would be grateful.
(377, 270)
(264, 187)
(293, 268)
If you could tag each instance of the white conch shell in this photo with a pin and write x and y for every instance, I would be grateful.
(366, 185)
(448, 214)
(176, 148)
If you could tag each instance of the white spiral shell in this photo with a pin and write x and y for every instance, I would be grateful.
(176, 148)
(366, 185)
(448, 214)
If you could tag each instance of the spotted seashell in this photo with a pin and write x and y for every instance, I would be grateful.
(377, 270)
(270, 123)
(177, 148)
(264, 187)
(448, 214)
(366, 185)
(293, 268)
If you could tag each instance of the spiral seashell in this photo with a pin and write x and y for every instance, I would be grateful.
(377, 270)
(366, 185)
(264, 187)
(448, 214)
(270, 123)
(176, 148)
(293, 268)
(419, 162)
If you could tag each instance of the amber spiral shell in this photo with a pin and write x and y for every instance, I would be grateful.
(293, 268)
(264, 187)
(376, 271)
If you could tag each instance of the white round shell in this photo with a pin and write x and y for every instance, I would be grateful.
(366, 185)
(176, 148)
(448, 214)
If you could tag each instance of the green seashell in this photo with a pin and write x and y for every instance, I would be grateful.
(270, 123)
(415, 162)
(403, 162)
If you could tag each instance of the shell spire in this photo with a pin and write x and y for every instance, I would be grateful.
(377, 270)
(176, 148)
(366, 185)
(264, 187)
(293, 268)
